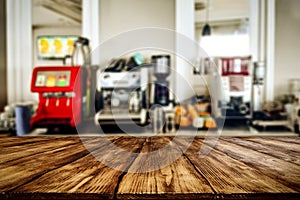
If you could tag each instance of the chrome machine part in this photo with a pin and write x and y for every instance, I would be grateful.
(122, 97)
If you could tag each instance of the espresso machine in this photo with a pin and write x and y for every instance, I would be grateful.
(121, 94)
(135, 93)
(60, 96)
(236, 81)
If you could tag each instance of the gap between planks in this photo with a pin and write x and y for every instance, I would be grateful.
(196, 169)
(120, 178)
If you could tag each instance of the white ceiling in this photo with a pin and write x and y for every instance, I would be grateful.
(56, 12)
(68, 12)
(223, 10)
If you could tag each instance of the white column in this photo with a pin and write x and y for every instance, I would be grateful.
(91, 24)
(262, 39)
(254, 29)
(184, 24)
(270, 48)
(19, 50)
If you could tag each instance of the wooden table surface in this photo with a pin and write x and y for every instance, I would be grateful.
(51, 167)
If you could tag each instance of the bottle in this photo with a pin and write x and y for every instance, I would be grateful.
(78, 56)
(87, 65)
(78, 59)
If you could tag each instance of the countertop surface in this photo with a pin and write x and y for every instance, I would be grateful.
(127, 167)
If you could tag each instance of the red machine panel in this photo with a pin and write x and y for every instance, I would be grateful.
(235, 66)
(60, 96)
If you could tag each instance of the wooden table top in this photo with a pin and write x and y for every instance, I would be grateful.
(51, 167)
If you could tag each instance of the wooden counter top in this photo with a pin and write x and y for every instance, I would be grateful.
(51, 167)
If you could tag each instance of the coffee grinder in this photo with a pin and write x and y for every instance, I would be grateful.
(162, 115)
(161, 70)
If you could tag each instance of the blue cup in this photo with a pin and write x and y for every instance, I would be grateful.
(23, 116)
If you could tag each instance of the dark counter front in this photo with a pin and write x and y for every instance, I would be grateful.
(236, 168)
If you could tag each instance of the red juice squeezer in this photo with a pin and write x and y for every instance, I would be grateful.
(60, 98)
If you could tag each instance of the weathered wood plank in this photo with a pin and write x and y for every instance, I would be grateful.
(87, 175)
(283, 145)
(287, 152)
(18, 172)
(16, 141)
(291, 139)
(259, 196)
(161, 172)
(283, 172)
(227, 175)
(17, 152)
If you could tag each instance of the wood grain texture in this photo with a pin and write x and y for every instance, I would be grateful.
(87, 175)
(149, 168)
(10, 153)
(19, 171)
(283, 172)
(289, 140)
(16, 141)
(161, 172)
(289, 152)
(228, 175)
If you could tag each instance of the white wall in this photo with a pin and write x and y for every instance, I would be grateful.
(287, 44)
(117, 16)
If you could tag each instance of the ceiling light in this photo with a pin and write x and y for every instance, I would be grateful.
(206, 29)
